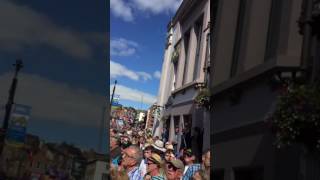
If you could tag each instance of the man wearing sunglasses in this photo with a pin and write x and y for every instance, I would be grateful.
(131, 157)
(174, 170)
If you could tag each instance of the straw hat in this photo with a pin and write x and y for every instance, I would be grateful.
(155, 158)
(159, 145)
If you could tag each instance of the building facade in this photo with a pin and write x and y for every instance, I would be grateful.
(151, 116)
(185, 58)
(255, 43)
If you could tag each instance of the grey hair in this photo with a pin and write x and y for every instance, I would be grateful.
(138, 153)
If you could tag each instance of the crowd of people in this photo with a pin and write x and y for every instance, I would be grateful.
(136, 155)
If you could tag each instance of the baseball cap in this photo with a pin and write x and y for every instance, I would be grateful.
(188, 152)
(177, 163)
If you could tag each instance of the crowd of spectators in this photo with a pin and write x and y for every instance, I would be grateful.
(136, 155)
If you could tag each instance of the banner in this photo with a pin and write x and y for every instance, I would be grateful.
(18, 125)
(115, 101)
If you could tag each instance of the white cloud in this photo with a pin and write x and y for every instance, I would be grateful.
(120, 9)
(124, 9)
(157, 74)
(55, 101)
(118, 70)
(145, 76)
(123, 47)
(135, 95)
(157, 6)
(22, 27)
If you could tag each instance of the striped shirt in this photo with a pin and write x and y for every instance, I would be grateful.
(135, 174)
(191, 171)
(158, 178)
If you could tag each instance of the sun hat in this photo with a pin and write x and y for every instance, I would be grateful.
(177, 163)
(169, 147)
(155, 158)
(158, 144)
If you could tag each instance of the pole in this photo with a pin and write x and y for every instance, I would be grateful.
(114, 88)
(18, 65)
(12, 91)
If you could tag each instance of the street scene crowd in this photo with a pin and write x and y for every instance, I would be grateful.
(136, 154)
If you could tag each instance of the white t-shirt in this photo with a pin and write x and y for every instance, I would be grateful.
(185, 169)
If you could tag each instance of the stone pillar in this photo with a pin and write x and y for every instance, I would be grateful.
(171, 129)
(181, 124)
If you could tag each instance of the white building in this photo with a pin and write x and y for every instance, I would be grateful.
(183, 76)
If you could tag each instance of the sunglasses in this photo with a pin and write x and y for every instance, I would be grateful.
(170, 166)
(187, 155)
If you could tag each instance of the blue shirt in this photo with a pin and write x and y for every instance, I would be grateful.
(135, 174)
(191, 171)
(115, 161)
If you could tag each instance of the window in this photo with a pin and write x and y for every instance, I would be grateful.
(238, 37)
(176, 65)
(273, 29)
(186, 39)
(198, 31)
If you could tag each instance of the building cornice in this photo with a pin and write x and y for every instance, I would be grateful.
(262, 70)
(194, 84)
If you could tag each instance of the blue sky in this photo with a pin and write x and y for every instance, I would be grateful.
(137, 41)
(63, 45)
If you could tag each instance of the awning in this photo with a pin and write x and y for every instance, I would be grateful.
(179, 109)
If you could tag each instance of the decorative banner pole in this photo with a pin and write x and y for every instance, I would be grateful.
(114, 88)
(18, 65)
